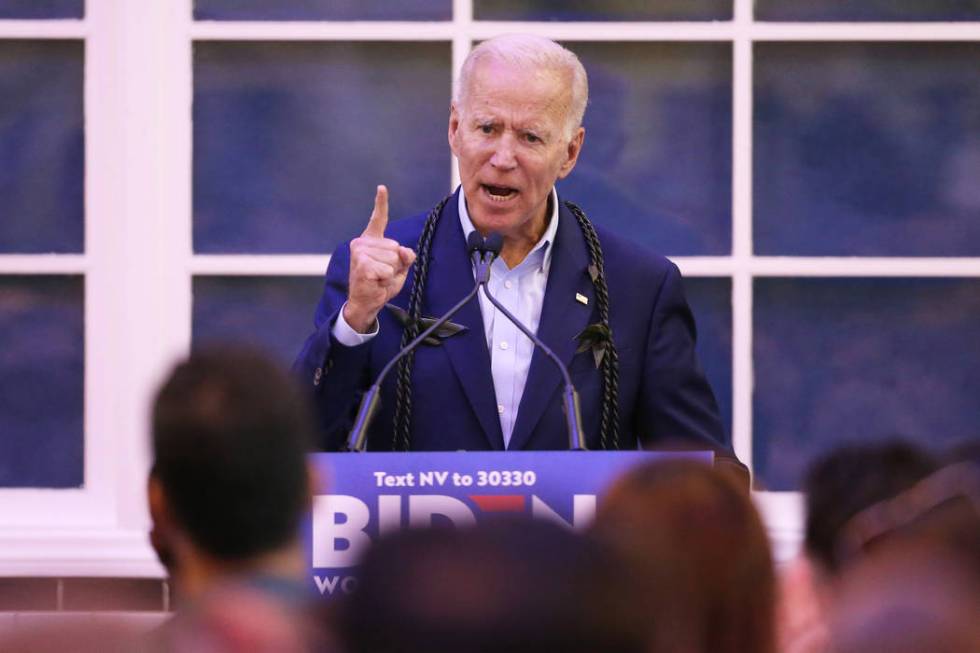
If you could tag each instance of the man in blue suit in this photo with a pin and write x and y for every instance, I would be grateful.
(613, 312)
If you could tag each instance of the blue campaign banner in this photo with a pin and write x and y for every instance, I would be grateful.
(363, 496)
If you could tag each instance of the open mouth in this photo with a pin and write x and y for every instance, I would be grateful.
(499, 193)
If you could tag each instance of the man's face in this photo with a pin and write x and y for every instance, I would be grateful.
(510, 136)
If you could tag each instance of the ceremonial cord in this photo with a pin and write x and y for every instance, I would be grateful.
(609, 424)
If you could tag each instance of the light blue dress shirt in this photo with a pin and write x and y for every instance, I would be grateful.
(521, 289)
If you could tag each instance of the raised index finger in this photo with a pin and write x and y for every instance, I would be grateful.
(379, 217)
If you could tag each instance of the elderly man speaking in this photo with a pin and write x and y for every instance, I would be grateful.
(613, 312)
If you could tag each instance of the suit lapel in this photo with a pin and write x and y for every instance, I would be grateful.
(562, 318)
(450, 278)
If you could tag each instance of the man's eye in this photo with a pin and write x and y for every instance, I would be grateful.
(486, 129)
(531, 138)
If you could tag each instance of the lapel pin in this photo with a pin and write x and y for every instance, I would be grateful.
(581, 299)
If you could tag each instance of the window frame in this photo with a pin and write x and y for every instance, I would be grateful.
(139, 263)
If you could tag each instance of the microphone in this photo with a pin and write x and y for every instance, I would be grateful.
(570, 400)
(482, 257)
(478, 248)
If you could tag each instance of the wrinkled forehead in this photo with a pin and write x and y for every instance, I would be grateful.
(502, 81)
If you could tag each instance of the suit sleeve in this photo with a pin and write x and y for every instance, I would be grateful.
(680, 408)
(335, 375)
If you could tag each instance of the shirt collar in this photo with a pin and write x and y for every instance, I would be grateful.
(541, 252)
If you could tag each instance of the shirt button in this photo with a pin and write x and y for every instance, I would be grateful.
(500, 408)
(504, 345)
(317, 375)
(508, 285)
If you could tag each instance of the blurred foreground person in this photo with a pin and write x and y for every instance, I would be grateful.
(907, 600)
(698, 550)
(838, 486)
(910, 579)
(227, 491)
(502, 586)
(848, 480)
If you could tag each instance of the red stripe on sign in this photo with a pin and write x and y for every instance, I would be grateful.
(499, 502)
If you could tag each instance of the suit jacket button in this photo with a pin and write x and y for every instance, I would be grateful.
(317, 375)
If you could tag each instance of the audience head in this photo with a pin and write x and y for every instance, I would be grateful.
(230, 438)
(906, 598)
(850, 479)
(507, 585)
(940, 513)
(699, 555)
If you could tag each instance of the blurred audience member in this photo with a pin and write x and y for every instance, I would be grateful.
(511, 585)
(699, 553)
(227, 491)
(848, 480)
(906, 600)
(942, 510)
(910, 579)
(838, 486)
(963, 451)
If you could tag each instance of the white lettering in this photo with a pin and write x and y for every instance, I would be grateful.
(326, 584)
(328, 530)
(389, 513)
(583, 511)
(329, 584)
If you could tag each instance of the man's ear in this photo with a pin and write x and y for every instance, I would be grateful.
(315, 482)
(574, 148)
(454, 119)
(161, 523)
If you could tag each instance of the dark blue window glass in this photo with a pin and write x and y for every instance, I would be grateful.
(657, 159)
(711, 302)
(867, 149)
(840, 360)
(42, 8)
(322, 10)
(273, 313)
(42, 364)
(42, 146)
(291, 139)
(602, 10)
(867, 10)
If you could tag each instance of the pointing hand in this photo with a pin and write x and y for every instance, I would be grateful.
(378, 268)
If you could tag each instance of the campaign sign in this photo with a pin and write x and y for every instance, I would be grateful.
(363, 496)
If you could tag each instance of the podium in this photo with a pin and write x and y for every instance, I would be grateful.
(363, 496)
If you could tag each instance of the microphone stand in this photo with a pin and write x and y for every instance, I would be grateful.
(357, 438)
(570, 400)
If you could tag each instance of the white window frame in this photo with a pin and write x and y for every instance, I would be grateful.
(139, 265)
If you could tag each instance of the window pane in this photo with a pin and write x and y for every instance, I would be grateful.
(711, 302)
(867, 149)
(42, 146)
(42, 375)
(602, 10)
(291, 139)
(840, 360)
(42, 8)
(322, 10)
(656, 164)
(274, 313)
(884, 10)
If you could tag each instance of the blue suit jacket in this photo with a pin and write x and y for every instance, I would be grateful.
(664, 397)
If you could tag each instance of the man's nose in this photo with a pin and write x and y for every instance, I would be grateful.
(503, 154)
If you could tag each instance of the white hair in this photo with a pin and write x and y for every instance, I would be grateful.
(527, 51)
